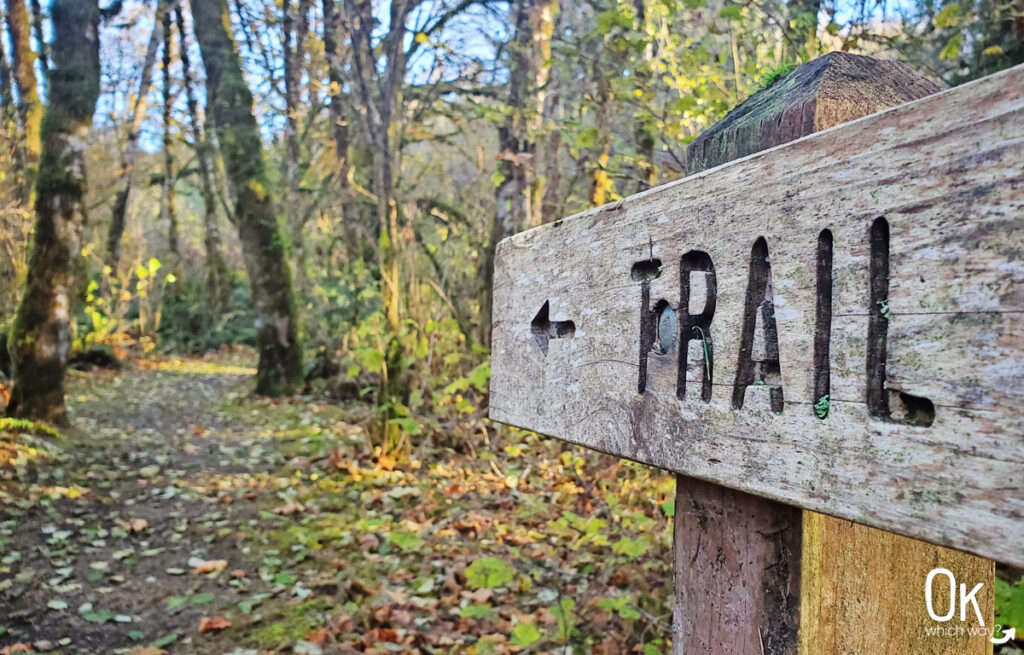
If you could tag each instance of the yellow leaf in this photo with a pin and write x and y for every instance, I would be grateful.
(210, 566)
(992, 51)
(949, 16)
(421, 37)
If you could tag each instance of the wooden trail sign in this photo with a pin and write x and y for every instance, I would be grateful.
(835, 324)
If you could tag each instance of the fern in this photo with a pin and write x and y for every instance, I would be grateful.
(20, 425)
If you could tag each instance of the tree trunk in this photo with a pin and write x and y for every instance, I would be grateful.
(339, 126)
(377, 120)
(296, 24)
(549, 149)
(6, 97)
(230, 102)
(643, 132)
(37, 31)
(513, 210)
(168, 217)
(30, 109)
(131, 148)
(601, 184)
(41, 338)
(216, 269)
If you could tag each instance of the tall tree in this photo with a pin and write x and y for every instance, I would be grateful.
(231, 106)
(296, 26)
(41, 338)
(216, 268)
(339, 123)
(518, 194)
(6, 96)
(30, 112)
(167, 215)
(37, 32)
(643, 132)
(131, 147)
(379, 71)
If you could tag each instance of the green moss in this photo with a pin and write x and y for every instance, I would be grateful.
(294, 623)
(774, 74)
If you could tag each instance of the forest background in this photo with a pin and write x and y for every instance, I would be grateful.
(342, 232)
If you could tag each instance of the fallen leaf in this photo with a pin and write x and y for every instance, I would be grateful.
(146, 650)
(138, 525)
(16, 648)
(208, 624)
(238, 573)
(291, 507)
(209, 566)
(380, 634)
(318, 637)
(517, 158)
(386, 463)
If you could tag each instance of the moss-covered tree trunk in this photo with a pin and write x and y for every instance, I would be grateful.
(30, 110)
(230, 104)
(41, 337)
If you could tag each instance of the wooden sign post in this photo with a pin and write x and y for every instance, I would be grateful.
(834, 325)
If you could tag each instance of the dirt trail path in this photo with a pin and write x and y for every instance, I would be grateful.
(151, 452)
(181, 515)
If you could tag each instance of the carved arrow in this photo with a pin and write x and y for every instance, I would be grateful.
(544, 329)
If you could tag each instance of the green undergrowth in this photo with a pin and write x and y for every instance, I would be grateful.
(23, 426)
(516, 543)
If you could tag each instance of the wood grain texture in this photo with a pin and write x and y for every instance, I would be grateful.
(747, 585)
(947, 174)
(863, 592)
(737, 572)
(861, 587)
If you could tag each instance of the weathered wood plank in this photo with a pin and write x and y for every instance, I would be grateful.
(947, 175)
(831, 90)
(831, 564)
(862, 592)
(737, 572)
